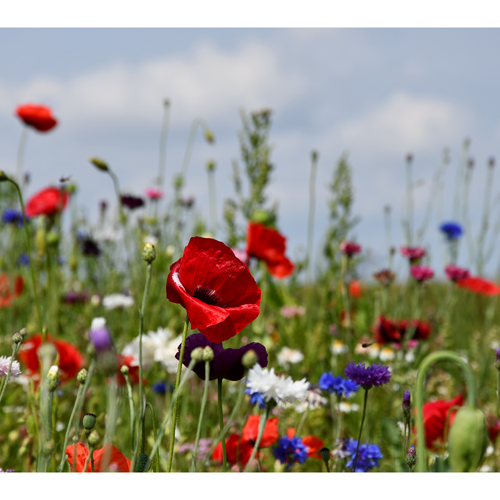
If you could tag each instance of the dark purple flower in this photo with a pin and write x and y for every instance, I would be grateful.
(90, 247)
(227, 363)
(131, 201)
(76, 297)
(406, 403)
(374, 375)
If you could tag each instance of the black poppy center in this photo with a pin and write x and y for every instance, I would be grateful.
(206, 295)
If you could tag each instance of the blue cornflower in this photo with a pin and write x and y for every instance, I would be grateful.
(290, 451)
(339, 385)
(256, 398)
(23, 260)
(452, 230)
(374, 375)
(12, 216)
(369, 456)
(160, 388)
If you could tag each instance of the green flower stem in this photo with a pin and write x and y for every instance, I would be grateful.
(32, 270)
(262, 425)
(85, 389)
(131, 409)
(91, 453)
(212, 199)
(111, 410)
(20, 154)
(339, 420)
(202, 411)
(170, 413)
(360, 429)
(155, 435)
(302, 420)
(15, 348)
(177, 381)
(310, 219)
(231, 419)
(419, 396)
(345, 298)
(79, 396)
(221, 424)
(189, 146)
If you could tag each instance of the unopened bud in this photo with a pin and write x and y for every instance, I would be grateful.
(210, 165)
(100, 164)
(314, 155)
(75, 439)
(23, 332)
(149, 253)
(3, 176)
(140, 462)
(197, 354)
(409, 157)
(41, 240)
(53, 378)
(94, 439)
(325, 454)
(261, 216)
(209, 136)
(124, 369)
(208, 353)
(491, 162)
(53, 372)
(82, 376)
(52, 238)
(249, 359)
(411, 457)
(178, 181)
(17, 338)
(406, 406)
(89, 420)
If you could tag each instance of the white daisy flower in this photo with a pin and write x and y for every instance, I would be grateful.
(386, 354)
(338, 347)
(117, 300)
(289, 356)
(346, 407)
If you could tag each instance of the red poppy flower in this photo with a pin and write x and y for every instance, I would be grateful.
(133, 370)
(117, 460)
(239, 450)
(355, 289)
(37, 116)
(6, 294)
(421, 329)
(313, 443)
(480, 286)
(386, 331)
(216, 289)
(435, 417)
(492, 426)
(265, 243)
(70, 358)
(48, 201)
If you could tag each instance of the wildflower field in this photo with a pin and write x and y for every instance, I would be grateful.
(155, 340)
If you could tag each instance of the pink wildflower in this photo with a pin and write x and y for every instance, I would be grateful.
(421, 273)
(456, 273)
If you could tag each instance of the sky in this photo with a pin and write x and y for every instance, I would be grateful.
(373, 94)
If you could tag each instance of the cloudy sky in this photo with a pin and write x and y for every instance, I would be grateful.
(375, 94)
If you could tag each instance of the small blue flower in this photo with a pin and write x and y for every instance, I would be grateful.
(369, 456)
(452, 230)
(256, 398)
(290, 451)
(12, 216)
(23, 260)
(339, 385)
(160, 388)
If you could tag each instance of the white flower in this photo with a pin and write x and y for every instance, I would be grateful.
(312, 401)
(98, 323)
(4, 367)
(347, 407)
(374, 350)
(156, 346)
(410, 356)
(95, 300)
(386, 354)
(273, 387)
(117, 300)
(289, 356)
(150, 238)
(170, 250)
(338, 347)
(489, 451)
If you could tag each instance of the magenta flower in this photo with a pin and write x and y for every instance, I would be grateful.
(456, 273)
(348, 248)
(421, 273)
(414, 254)
(154, 193)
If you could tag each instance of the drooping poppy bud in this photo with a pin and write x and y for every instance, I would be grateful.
(467, 441)
(140, 462)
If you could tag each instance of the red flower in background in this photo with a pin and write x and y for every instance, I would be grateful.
(6, 294)
(265, 243)
(480, 286)
(216, 289)
(492, 426)
(355, 289)
(70, 358)
(421, 330)
(313, 443)
(48, 201)
(117, 460)
(36, 116)
(239, 450)
(413, 254)
(348, 248)
(435, 417)
(133, 370)
(386, 331)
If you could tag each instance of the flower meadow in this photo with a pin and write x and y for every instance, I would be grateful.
(153, 339)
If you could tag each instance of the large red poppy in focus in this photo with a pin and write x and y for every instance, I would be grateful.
(7, 295)
(267, 244)
(480, 286)
(435, 417)
(37, 116)
(71, 360)
(216, 289)
(48, 201)
(240, 450)
(117, 460)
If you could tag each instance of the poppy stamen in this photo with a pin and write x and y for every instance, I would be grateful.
(206, 295)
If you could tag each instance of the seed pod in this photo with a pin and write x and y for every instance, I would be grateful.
(467, 440)
(89, 420)
(98, 163)
(140, 462)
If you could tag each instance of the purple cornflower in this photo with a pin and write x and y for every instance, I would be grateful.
(452, 230)
(374, 375)
(290, 451)
(406, 403)
(339, 385)
(72, 297)
(369, 456)
(256, 398)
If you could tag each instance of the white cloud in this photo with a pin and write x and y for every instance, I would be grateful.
(208, 82)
